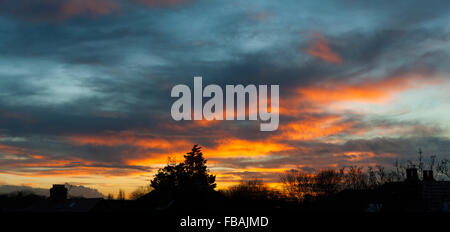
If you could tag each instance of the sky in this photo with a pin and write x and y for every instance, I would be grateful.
(85, 86)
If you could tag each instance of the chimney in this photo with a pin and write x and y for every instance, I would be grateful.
(411, 174)
(58, 192)
(428, 175)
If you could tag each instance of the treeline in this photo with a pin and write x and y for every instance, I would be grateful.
(300, 186)
(192, 176)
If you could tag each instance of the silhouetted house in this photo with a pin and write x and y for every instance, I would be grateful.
(415, 195)
(58, 202)
(58, 192)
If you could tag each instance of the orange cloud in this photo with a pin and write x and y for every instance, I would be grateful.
(377, 91)
(125, 138)
(91, 7)
(319, 48)
(164, 147)
(245, 148)
(356, 156)
(18, 152)
(315, 128)
(317, 98)
(226, 148)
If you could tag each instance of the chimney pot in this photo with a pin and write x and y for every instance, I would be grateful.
(411, 174)
(428, 175)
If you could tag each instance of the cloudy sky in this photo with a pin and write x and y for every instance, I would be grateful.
(85, 86)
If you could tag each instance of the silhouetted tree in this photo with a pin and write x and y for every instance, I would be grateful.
(121, 195)
(110, 196)
(251, 190)
(197, 172)
(297, 184)
(328, 181)
(376, 176)
(300, 185)
(191, 175)
(442, 169)
(355, 178)
(139, 192)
